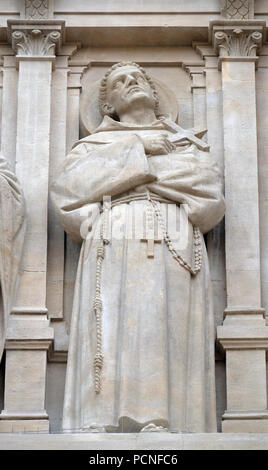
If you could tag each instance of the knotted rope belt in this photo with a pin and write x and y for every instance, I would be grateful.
(153, 200)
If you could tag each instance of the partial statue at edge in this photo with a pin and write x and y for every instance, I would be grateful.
(12, 233)
(141, 351)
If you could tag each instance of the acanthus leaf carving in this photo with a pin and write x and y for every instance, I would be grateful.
(35, 42)
(237, 43)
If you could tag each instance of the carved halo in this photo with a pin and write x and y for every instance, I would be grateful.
(91, 118)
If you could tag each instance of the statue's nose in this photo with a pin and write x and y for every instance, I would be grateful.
(131, 80)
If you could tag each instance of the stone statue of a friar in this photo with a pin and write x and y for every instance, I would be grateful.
(12, 232)
(141, 351)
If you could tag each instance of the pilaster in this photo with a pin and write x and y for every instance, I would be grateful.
(198, 88)
(58, 149)
(29, 335)
(76, 70)
(213, 108)
(244, 334)
(9, 106)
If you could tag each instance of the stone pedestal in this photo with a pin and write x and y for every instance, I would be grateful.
(244, 337)
(25, 380)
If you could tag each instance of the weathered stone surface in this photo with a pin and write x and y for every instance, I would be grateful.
(44, 66)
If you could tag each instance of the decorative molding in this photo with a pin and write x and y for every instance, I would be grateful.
(70, 48)
(196, 72)
(29, 310)
(245, 414)
(57, 356)
(243, 343)
(27, 334)
(36, 9)
(76, 72)
(23, 415)
(207, 53)
(232, 336)
(237, 9)
(61, 356)
(244, 311)
(29, 344)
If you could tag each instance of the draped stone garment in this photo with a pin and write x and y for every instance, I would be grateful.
(12, 231)
(157, 319)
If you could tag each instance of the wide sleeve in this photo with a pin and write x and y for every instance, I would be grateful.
(191, 177)
(94, 170)
(12, 213)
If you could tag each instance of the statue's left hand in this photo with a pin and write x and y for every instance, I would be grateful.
(157, 145)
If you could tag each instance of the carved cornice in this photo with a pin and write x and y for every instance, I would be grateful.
(196, 72)
(237, 9)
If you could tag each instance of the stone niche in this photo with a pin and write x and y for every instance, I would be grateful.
(213, 56)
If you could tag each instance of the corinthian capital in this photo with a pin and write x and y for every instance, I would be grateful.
(237, 43)
(31, 38)
(235, 40)
(35, 42)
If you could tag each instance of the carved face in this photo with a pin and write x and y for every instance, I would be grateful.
(125, 86)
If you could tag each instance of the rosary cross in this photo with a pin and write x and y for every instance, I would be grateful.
(150, 237)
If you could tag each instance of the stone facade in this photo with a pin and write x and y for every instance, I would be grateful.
(214, 57)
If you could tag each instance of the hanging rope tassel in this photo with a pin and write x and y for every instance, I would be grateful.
(97, 305)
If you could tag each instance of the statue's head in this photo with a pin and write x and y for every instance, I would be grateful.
(124, 85)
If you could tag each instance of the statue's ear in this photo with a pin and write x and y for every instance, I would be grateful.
(107, 108)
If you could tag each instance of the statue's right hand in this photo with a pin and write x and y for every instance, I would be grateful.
(157, 145)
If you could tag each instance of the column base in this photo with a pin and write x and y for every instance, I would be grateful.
(24, 422)
(245, 422)
(24, 426)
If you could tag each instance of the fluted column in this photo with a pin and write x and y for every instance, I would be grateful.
(244, 335)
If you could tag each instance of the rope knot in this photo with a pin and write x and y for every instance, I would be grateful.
(98, 360)
(100, 252)
(97, 305)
